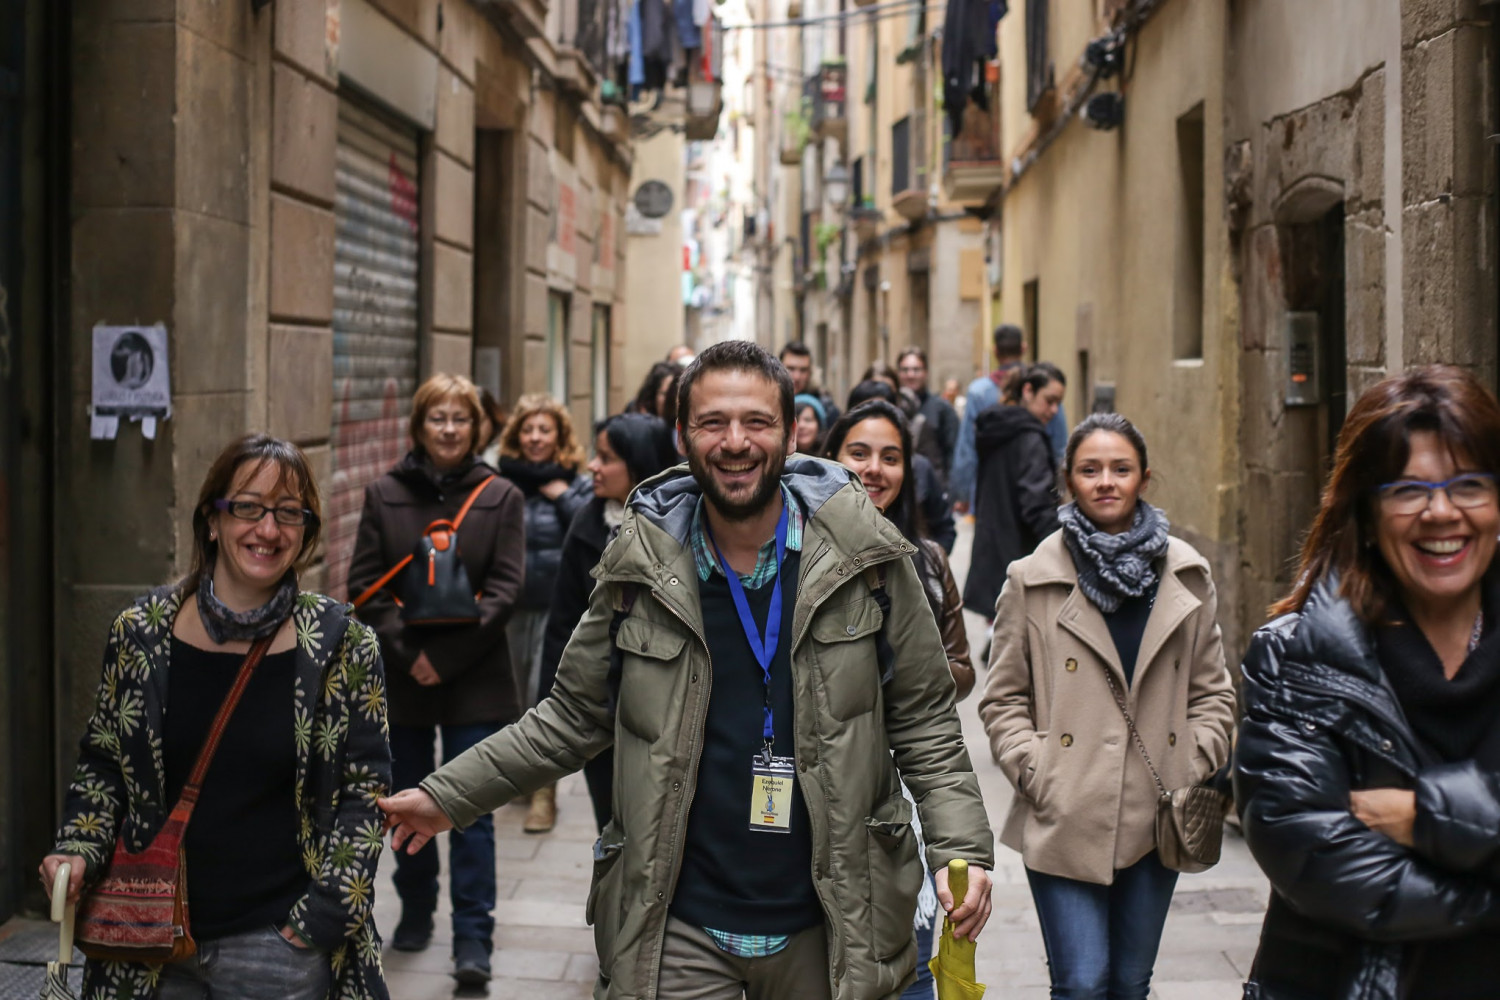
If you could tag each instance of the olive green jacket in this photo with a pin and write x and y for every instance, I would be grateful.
(847, 726)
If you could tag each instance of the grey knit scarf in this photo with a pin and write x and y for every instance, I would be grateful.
(224, 625)
(1112, 568)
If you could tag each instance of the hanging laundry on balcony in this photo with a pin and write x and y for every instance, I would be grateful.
(688, 31)
(969, 29)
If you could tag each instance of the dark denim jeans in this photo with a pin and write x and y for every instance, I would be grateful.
(256, 965)
(922, 988)
(1101, 940)
(471, 852)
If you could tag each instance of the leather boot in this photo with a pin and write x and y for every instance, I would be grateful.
(543, 812)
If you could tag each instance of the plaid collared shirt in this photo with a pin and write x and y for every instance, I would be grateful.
(765, 563)
(749, 945)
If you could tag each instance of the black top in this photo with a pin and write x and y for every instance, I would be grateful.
(1455, 721)
(1015, 498)
(735, 879)
(244, 868)
(1127, 625)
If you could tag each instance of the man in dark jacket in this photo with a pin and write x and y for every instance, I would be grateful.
(1015, 503)
(940, 423)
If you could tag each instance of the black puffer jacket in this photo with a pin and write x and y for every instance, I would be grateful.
(1015, 498)
(1351, 907)
(547, 523)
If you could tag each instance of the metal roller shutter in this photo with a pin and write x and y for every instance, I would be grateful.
(374, 317)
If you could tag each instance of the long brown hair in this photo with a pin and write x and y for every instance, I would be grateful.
(294, 475)
(1373, 449)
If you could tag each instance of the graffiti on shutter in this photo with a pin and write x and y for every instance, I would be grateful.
(375, 318)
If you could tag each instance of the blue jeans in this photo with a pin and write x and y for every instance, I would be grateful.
(471, 852)
(1101, 940)
(256, 965)
(922, 988)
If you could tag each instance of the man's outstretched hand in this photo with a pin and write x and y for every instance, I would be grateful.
(413, 819)
(971, 914)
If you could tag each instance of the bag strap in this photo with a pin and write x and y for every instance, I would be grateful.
(616, 657)
(1140, 744)
(885, 656)
(395, 570)
(221, 721)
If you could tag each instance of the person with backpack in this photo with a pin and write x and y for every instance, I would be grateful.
(450, 680)
(874, 441)
(761, 852)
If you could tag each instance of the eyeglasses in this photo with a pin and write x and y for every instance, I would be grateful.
(1413, 496)
(438, 420)
(249, 510)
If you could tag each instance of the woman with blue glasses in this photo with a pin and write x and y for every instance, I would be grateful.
(1368, 766)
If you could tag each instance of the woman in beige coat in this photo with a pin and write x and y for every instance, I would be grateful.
(1109, 602)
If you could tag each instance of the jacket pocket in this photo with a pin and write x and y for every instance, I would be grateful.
(602, 911)
(895, 876)
(650, 654)
(844, 638)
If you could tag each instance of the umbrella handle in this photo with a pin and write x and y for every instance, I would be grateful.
(958, 881)
(63, 912)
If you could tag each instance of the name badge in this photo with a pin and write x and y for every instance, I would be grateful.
(771, 794)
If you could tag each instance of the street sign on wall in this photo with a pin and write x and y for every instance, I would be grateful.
(653, 199)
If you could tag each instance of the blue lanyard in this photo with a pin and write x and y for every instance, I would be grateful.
(764, 650)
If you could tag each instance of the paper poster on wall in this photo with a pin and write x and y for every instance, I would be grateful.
(132, 379)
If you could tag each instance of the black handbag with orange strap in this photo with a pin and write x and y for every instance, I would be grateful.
(434, 588)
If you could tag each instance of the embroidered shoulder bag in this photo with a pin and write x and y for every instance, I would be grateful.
(138, 911)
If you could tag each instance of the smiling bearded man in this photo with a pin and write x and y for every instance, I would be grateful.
(761, 846)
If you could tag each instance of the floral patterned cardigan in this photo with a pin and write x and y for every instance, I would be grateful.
(343, 765)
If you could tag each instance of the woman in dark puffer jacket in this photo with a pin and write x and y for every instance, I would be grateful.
(629, 449)
(541, 455)
(1368, 766)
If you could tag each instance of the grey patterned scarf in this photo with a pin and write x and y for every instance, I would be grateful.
(224, 625)
(1114, 567)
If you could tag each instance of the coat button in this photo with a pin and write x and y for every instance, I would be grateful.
(1387, 745)
(645, 646)
(1067, 739)
(802, 766)
(673, 581)
(676, 785)
(695, 678)
(661, 895)
(849, 629)
(1171, 739)
(1071, 664)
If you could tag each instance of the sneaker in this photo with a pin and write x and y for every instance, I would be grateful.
(413, 931)
(471, 961)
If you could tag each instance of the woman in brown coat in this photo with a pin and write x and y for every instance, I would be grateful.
(453, 678)
(1109, 603)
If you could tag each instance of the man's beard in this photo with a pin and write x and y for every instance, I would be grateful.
(732, 509)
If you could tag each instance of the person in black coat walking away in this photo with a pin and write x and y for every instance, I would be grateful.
(541, 455)
(629, 449)
(1015, 492)
(1367, 771)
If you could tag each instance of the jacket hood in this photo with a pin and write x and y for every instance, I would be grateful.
(832, 498)
(1329, 632)
(1003, 423)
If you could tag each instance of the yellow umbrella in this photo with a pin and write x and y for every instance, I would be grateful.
(56, 986)
(953, 966)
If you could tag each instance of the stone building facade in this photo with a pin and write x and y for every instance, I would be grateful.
(323, 201)
(1297, 199)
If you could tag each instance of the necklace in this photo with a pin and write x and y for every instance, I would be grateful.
(1477, 632)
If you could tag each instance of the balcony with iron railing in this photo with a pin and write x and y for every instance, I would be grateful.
(528, 18)
(824, 92)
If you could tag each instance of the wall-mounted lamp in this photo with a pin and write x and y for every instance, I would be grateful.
(836, 186)
(1106, 55)
(1105, 112)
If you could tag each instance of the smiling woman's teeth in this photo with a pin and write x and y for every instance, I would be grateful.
(1445, 547)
